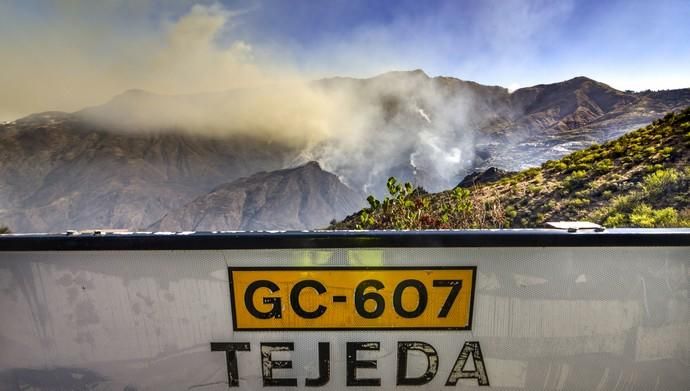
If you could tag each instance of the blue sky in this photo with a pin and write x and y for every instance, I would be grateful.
(629, 44)
(63, 54)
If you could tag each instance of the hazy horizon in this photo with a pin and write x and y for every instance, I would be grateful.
(66, 55)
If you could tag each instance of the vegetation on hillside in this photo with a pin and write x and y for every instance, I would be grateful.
(409, 208)
(641, 179)
(4, 230)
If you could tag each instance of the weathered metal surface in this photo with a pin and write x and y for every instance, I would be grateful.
(546, 318)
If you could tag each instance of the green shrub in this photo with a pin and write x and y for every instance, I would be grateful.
(660, 181)
(589, 158)
(617, 150)
(366, 220)
(560, 166)
(532, 172)
(645, 217)
(578, 202)
(603, 165)
(623, 203)
(534, 189)
(654, 167)
(575, 180)
(650, 150)
(373, 202)
(615, 220)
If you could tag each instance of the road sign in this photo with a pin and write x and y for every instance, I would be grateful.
(524, 309)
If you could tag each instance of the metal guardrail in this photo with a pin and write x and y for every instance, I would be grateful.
(98, 240)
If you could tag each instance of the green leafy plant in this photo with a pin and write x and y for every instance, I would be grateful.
(660, 181)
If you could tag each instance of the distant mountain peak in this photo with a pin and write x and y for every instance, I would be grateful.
(313, 164)
(296, 198)
(411, 73)
(580, 79)
(575, 82)
(418, 71)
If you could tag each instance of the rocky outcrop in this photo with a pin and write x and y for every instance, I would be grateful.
(492, 174)
(305, 197)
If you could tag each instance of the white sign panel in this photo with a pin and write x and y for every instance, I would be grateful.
(526, 318)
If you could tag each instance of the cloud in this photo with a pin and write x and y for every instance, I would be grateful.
(74, 62)
(204, 78)
(81, 55)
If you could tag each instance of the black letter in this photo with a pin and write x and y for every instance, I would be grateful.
(431, 363)
(249, 300)
(267, 364)
(324, 367)
(294, 299)
(455, 286)
(353, 364)
(479, 372)
(230, 350)
(361, 298)
(397, 298)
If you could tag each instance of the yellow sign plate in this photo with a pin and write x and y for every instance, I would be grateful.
(335, 298)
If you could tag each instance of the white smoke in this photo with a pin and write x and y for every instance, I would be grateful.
(403, 124)
(424, 115)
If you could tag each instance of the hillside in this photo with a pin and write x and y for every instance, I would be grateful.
(641, 179)
(58, 172)
(107, 166)
(297, 198)
(445, 127)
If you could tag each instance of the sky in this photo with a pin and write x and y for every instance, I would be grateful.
(628, 44)
(67, 54)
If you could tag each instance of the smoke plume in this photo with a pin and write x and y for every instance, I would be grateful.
(187, 74)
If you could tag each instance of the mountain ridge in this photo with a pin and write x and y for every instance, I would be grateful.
(137, 93)
(63, 171)
(293, 198)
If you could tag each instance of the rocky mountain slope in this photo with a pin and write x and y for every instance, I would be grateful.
(57, 172)
(298, 198)
(509, 130)
(564, 117)
(641, 179)
(63, 171)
